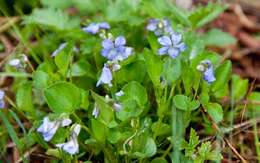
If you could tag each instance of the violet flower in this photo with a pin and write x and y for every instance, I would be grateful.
(115, 50)
(72, 146)
(172, 45)
(206, 68)
(94, 28)
(2, 102)
(159, 27)
(49, 128)
(106, 76)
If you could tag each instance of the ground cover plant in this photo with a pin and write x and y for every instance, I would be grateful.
(121, 81)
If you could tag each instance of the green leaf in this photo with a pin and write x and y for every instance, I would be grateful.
(165, 129)
(254, 97)
(215, 111)
(204, 15)
(193, 105)
(222, 91)
(57, 3)
(180, 15)
(40, 79)
(50, 17)
(128, 73)
(204, 150)
(63, 59)
(148, 149)
(114, 136)
(60, 136)
(190, 148)
(106, 114)
(54, 152)
(135, 91)
(81, 68)
(130, 110)
(84, 99)
(183, 102)
(154, 66)
(123, 10)
(99, 130)
(152, 39)
(24, 98)
(159, 160)
(222, 74)
(11, 131)
(172, 70)
(239, 87)
(154, 8)
(63, 97)
(217, 37)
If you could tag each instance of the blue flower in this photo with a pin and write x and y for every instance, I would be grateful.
(106, 76)
(20, 62)
(2, 102)
(95, 111)
(206, 68)
(172, 45)
(72, 146)
(159, 27)
(117, 107)
(49, 128)
(59, 49)
(119, 94)
(94, 28)
(115, 50)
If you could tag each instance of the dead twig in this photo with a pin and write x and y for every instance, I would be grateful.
(233, 149)
(10, 22)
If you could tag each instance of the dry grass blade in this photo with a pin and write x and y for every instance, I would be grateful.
(235, 151)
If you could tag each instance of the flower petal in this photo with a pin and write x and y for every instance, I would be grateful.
(59, 49)
(118, 107)
(2, 94)
(116, 67)
(152, 24)
(208, 75)
(65, 122)
(2, 104)
(93, 28)
(176, 38)
(76, 129)
(173, 52)
(158, 32)
(128, 51)
(71, 147)
(181, 46)
(95, 111)
(107, 44)
(48, 128)
(112, 55)
(166, 22)
(14, 62)
(163, 50)
(104, 25)
(165, 41)
(119, 94)
(106, 76)
(120, 41)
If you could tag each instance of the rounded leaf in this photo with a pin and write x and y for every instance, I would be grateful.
(215, 111)
(63, 97)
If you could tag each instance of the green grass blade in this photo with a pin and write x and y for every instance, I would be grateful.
(11, 131)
